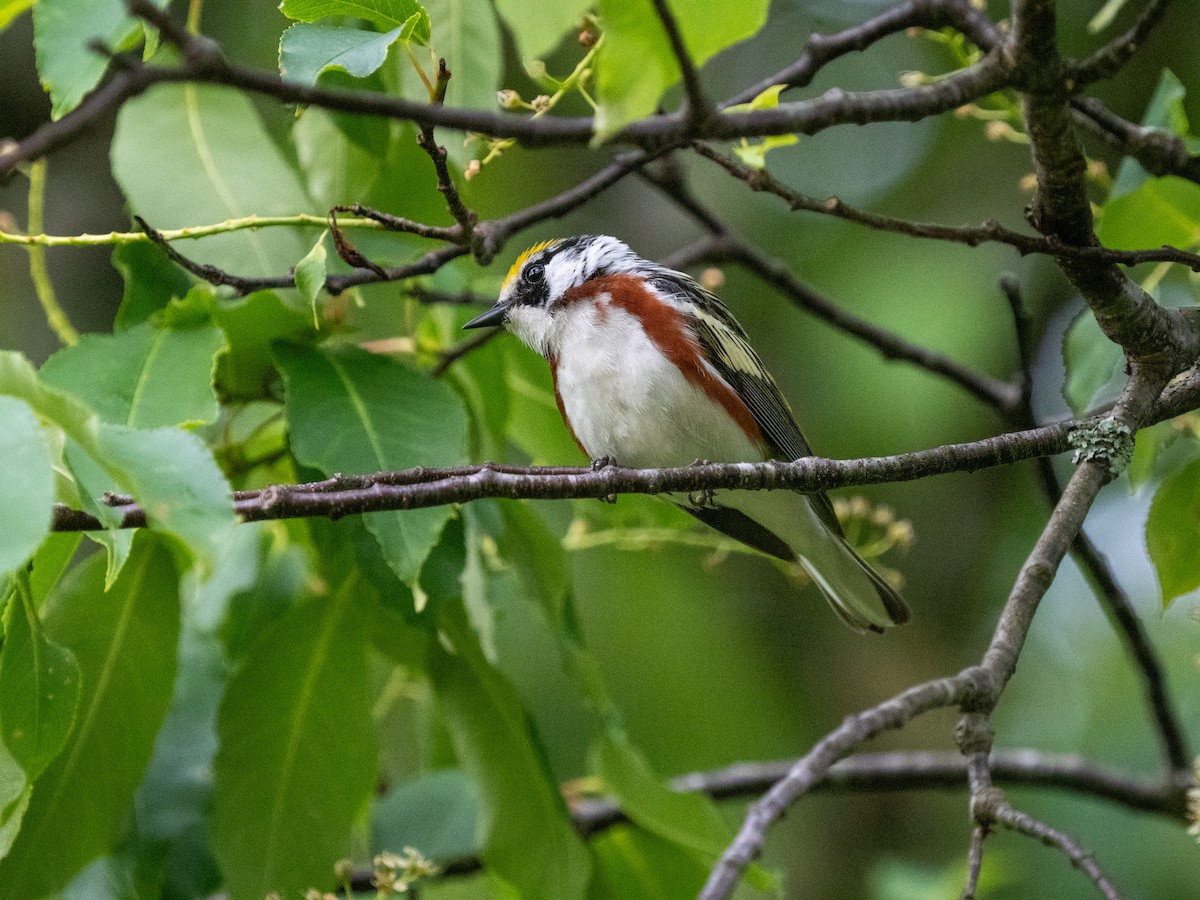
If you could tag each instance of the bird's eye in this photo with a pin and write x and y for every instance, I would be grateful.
(535, 274)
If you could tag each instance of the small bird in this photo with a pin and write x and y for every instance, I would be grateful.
(652, 370)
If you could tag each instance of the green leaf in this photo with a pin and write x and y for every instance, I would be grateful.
(170, 472)
(341, 160)
(1164, 111)
(1095, 365)
(1173, 533)
(310, 278)
(15, 791)
(305, 51)
(39, 687)
(537, 555)
(251, 324)
(755, 154)
(465, 33)
(381, 13)
(437, 813)
(172, 475)
(198, 155)
(537, 26)
(631, 862)
(175, 795)
(1105, 16)
(145, 377)
(1162, 211)
(9, 10)
(530, 843)
(29, 498)
(688, 819)
(636, 64)
(62, 32)
(356, 412)
(50, 562)
(18, 379)
(124, 642)
(151, 281)
(297, 759)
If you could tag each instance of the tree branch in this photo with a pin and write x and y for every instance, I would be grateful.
(993, 807)
(420, 488)
(820, 50)
(1158, 151)
(698, 106)
(970, 235)
(1110, 58)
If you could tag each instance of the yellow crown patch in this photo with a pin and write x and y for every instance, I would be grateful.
(520, 261)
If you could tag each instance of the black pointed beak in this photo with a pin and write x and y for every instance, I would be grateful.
(494, 316)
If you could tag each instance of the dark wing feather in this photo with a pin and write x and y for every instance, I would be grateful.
(741, 527)
(729, 352)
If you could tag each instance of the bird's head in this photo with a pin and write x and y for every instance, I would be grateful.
(543, 275)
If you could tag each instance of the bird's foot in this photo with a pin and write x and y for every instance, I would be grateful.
(603, 462)
(702, 499)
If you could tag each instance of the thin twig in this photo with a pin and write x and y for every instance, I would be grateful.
(698, 105)
(974, 862)
(997, 809)
(1110, 58)
(465, 218)
(1158, 151)
(969, 235)
(451, 355)
(822, 49)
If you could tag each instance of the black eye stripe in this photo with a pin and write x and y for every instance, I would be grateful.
(535, 273)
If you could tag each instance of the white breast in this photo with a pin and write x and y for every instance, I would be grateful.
(626, 400)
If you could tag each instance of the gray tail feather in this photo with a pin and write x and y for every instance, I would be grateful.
(854, 612)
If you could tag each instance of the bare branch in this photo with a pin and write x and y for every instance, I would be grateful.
(1109, 59)
(970, 235)
(820, 50)
(451, 355)
(1150, 334)
(812, 768)
(1097, 570)
(1158, 151)
(992, 391)
(974, 862)
(993, 807)
(698, 105)
(445, 183)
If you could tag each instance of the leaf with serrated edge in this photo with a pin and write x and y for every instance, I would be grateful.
(305, 51)
(381, 13)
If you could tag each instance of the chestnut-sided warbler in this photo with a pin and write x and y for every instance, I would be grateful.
(652, 370)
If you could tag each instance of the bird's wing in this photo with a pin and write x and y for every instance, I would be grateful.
(729, 352)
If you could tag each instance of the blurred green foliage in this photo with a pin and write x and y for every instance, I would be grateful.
(204, 708)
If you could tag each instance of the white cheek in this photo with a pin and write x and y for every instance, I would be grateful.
(534, 326)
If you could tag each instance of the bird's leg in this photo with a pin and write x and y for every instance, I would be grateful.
(603, 462)
(701, 499)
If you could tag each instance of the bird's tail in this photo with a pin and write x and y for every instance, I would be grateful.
(858, 594)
